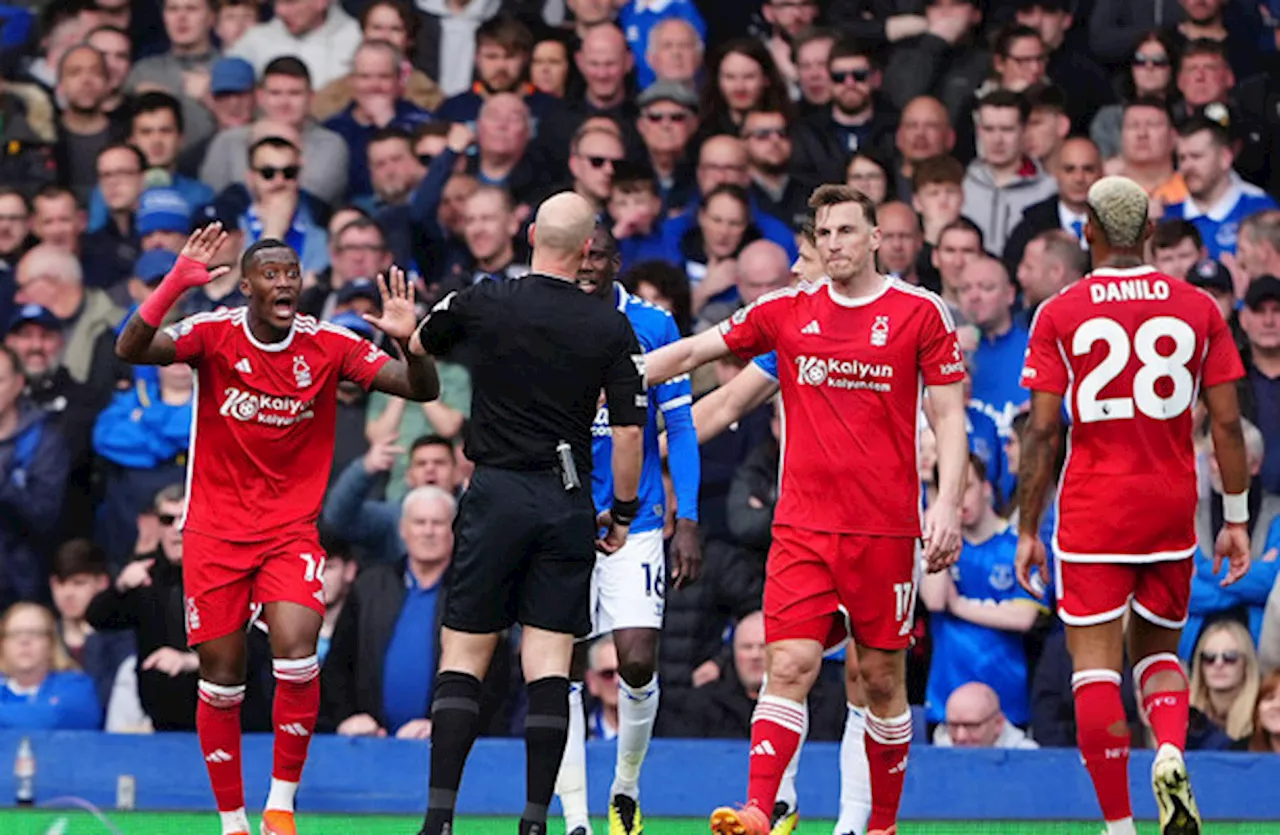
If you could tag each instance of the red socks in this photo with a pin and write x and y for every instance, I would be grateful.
(776, 727)
(1103, 736)
(218, 726)
(1166, 710)
(293, 713)
(888, 741)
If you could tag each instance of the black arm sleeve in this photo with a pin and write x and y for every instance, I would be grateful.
(445, 326)
(624, 386)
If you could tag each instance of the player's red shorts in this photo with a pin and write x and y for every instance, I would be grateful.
(1098, 592)
(810, 575)
(222, 579)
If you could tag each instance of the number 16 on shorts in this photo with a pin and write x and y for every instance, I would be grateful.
(628, 588)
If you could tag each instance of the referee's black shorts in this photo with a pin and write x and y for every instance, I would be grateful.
(524, 551)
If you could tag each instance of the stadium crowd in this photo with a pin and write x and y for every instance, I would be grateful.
(371, 132)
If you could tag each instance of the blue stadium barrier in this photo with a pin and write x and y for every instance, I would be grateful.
(682, 778)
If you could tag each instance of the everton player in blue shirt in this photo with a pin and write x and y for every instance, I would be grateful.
(979, 611)
(629, 586)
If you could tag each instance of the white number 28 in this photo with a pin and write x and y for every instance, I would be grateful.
(1155, 365)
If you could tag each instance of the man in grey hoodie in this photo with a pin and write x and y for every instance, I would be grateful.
(1003, 181)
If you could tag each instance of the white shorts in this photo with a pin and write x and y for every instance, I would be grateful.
(629, 587)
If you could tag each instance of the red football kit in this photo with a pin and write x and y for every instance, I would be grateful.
(848, 513)
(1128, 349)
(261, 449)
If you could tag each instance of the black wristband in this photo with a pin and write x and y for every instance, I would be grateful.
(624, 513)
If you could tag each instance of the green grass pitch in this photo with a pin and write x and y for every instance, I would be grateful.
(54, 822)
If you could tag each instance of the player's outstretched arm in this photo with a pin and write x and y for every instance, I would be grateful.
(684, 356)
(942, 520)
(718, 410)
(1228, 447)
(1041, 439)
(414, 377)
(140, 341)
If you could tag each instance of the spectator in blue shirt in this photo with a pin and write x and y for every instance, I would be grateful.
(723, 160)
(278, 210)
(673, 52)
(378, 103)
(634, 207)
(1219, 199)
(639, 21)
(979, 612)
(986, 301)
(141, 439)
(156, 131)
(40, 687)
(382, 660)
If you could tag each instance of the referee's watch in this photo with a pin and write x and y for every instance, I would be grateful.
(624, 513)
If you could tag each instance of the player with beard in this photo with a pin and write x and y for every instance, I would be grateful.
(844, 545)
(628, 587)
(261, 451)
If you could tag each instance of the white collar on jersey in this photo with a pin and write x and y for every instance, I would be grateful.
(1123, 272)
(860, 301)
(271, 347)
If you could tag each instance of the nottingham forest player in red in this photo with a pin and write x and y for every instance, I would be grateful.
(1129, 351)
(261, 451)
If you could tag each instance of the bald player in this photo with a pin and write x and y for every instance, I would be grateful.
(1128, 349)
(525, 538)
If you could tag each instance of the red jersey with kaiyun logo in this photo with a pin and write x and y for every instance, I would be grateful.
(851, 372)
(263, 421)
(1128, 350)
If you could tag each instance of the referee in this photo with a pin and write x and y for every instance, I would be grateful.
(525, 534)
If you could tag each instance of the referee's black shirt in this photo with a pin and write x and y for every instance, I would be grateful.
(543, 350)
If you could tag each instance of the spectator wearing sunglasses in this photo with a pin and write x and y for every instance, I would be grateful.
(1225, 678)
(594, 154)
(774, 188)
(146, 598)
(1150, 74)
(277, 210)
(605, 64)
(856, 120)
(667, 121)
(284, 98)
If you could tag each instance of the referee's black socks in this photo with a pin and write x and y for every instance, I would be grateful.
(546, 728)
(455, 722)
